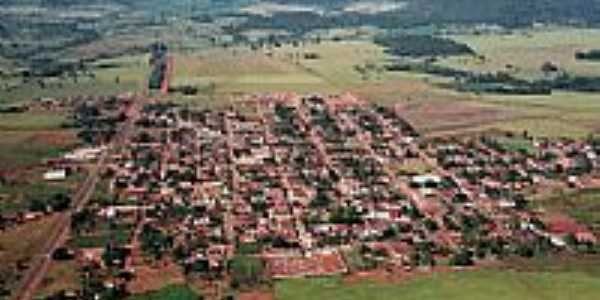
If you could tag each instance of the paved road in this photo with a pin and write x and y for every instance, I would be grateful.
(39, 265)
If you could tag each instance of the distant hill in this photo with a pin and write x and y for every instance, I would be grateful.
(28, 32)
(504, 12)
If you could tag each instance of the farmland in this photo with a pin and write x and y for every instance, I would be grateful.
(523, 52)
(110, 76)
(29, 137)
(357, 66)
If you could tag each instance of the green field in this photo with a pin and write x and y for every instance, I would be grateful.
(28, 138)
(172, 292)
(31, 121)
(358, 66)
(527, 50)
(128, 75)
(485, 284)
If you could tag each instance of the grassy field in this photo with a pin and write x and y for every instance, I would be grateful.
(62, 276)
(31, 121)
(485, 284)
(131, 72)
(230, 72)
(15, 247)
(172, 292)
(28, 138)
(27, 148)
(527, 50)
(241, 71)
(584, 206)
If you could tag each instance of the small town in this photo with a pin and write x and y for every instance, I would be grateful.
(299, 149)
(269, 189)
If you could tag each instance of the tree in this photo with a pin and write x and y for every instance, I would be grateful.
(462, 258)
(548, 68)
(246, 270)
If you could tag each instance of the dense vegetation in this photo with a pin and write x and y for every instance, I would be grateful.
(34, 42)
(422, 45)
(589, 55)
(509, 13)
(506, 12)
(501, 82)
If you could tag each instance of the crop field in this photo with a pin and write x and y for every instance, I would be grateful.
(238, 70)
(131, 72)
(485, 284)
(523, 52)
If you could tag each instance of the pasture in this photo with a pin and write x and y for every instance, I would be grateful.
(124, 74)
(358, 66)
(28, 138)
(523, 52)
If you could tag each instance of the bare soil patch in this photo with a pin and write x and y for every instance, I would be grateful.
(431, 117)
(151, 278)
